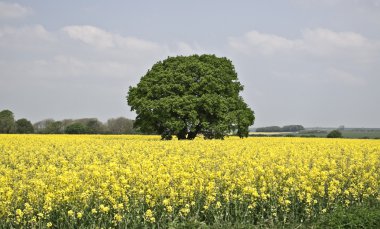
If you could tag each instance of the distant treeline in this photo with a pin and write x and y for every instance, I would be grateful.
(119, 125)
(289, 128)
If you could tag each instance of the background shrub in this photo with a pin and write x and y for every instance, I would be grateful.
(334, 134)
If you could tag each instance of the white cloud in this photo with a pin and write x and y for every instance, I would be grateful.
(13, 10)
(102, 39)
(70, 67)
(36, 31)
(184, 48)
(344, 77)
(333, 3)
(41, 54)
(91, 36)
(318, 58)
(92, 69)
(25, 38)
(316, 42)
(311, 3)
(331, 38)
(327, 43)
(262, 43)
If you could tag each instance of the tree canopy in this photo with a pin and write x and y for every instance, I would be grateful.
(120, 125)
(190, 95)
(7, 122)
(334, 134)
(76, 128)
(24, 126)
(289, 128)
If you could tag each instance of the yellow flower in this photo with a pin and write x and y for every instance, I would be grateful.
(148, 213)
(42, 172)
(169, 209)
(103, 208)
(70, 213)
(118, 218)
(185, 211)
(19, 212)
(166, 202)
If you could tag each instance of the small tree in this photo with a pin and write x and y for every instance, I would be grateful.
(7, 122)
(334, 134)
(94, 126)
(292, 128)
(76, 128)
(24, 126)
(120, 125)
(55, 127)
(41, 126)
(269, 129)
(190, 95)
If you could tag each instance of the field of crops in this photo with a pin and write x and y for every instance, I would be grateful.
(62, 181)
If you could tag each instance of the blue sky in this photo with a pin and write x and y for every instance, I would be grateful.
(308, 62)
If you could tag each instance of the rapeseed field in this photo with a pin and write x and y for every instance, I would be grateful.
(61, 181)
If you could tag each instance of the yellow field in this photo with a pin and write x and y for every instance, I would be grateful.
(62, 181)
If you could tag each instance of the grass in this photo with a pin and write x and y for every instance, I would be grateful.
(360, 134)
(354, 133)
(361, 216)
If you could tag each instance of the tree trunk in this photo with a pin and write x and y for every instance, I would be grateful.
(182, 134)
(193, 134)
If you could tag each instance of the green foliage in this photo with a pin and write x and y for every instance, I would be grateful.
(120, 126)
(361, 133)
(186, 96)
(269, 129)
(55, 127)
(48, 126)
(24, 126)
(359, 216)
(94, 126)
(76, 128)
(292, 128)
(289, 128)
(363, 216)
(334, 134)
(7, 122)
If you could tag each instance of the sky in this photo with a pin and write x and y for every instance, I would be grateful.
(307, 62)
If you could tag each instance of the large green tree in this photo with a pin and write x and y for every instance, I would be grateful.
(190, 95)
(7, 122)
